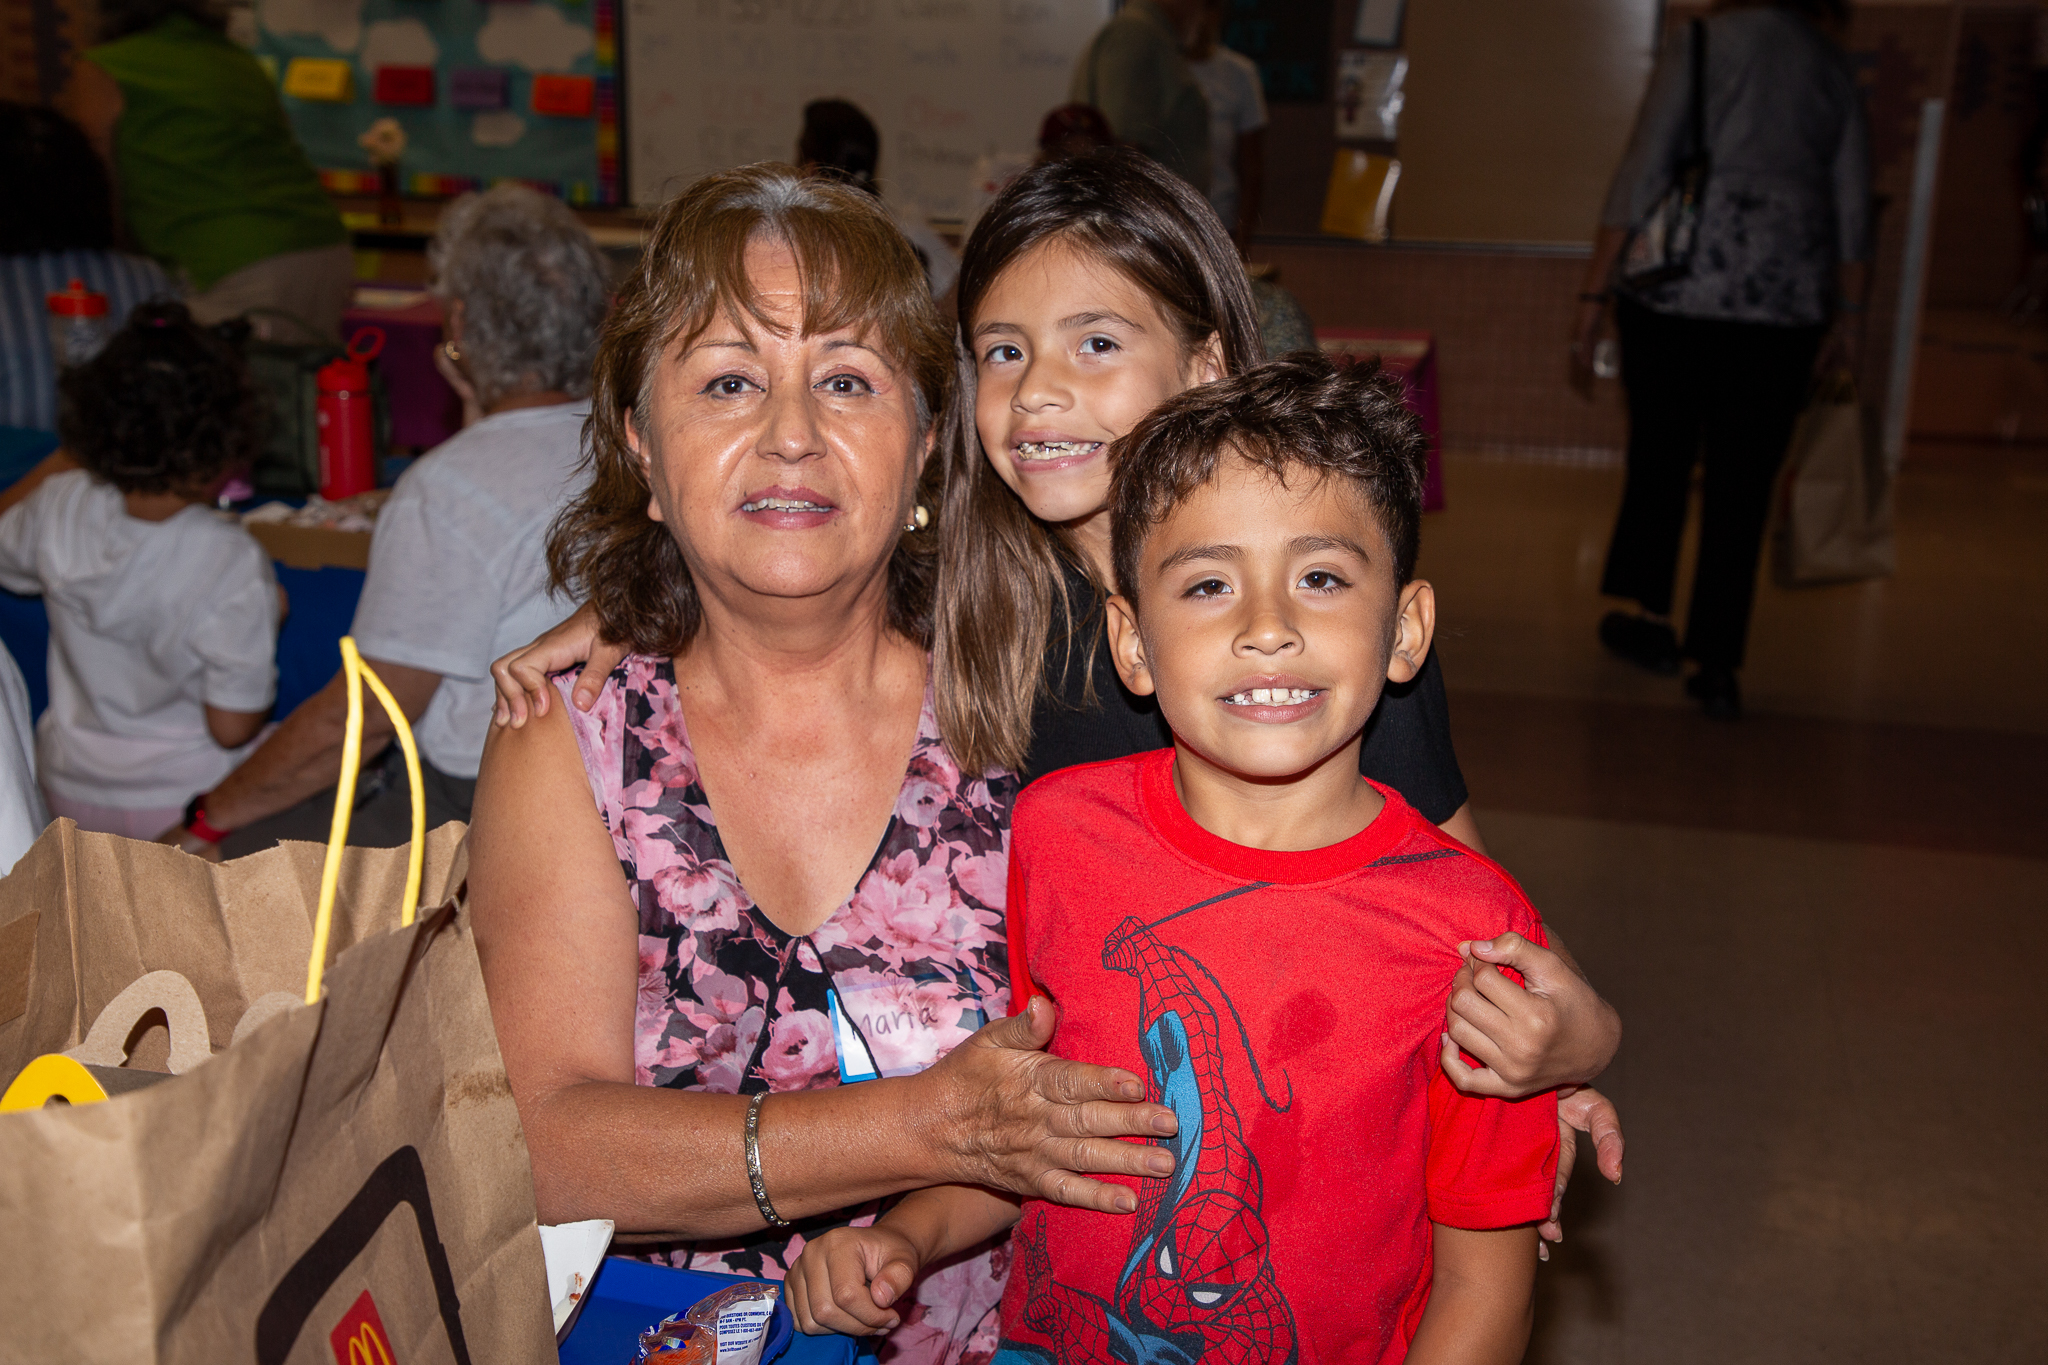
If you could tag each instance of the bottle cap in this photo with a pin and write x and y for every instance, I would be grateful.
(351, 372)
(77, 302)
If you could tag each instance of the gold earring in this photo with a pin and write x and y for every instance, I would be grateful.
(919, 519)
(451, 350)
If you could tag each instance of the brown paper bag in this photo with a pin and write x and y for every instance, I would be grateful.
(347, 1182)
(1835, 501)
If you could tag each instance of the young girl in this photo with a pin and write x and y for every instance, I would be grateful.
(1092, 290)
(163, 613)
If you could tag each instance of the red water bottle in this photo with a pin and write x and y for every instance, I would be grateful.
(347, 420)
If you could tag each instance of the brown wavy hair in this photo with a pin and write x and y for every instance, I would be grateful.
(854, 269)
(1303, 414)
(1004, 621)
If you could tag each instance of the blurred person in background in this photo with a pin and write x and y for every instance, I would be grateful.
(1237, 126)
(1072, 130)
(22, 812)
(163, 614)
(56, 226)
(1717, 363)
(1136, 72)
(457, 575)
(840, 139)
(207, 175)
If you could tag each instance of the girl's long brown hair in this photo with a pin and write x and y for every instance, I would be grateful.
(1002, 619)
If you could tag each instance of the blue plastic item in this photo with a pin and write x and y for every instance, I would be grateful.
(629, 1296)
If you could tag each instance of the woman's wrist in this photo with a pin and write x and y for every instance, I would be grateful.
(923, 1110)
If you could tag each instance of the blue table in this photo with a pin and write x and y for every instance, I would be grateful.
(630, 1296)
(308, 645)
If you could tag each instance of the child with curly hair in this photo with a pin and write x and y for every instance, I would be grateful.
(163, 612)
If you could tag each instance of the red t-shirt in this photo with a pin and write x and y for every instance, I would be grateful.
(1289, 1008)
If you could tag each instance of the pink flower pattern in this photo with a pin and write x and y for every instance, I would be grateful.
(730, 1003)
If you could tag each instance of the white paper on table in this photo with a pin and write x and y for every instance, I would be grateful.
(573, 1252)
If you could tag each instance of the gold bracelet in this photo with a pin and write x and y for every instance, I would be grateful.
(774, 1219)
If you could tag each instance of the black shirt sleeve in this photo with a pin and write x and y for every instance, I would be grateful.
(1408, 745)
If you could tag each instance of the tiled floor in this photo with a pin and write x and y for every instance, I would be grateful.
(1817, 924)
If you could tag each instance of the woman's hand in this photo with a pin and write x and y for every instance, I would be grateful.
(1586, 329)
(847, 1280)
(1005, 1115)
(1580, 1110)
(522, 675)
(1551, 1031)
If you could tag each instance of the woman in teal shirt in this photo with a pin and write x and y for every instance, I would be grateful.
(206, 171)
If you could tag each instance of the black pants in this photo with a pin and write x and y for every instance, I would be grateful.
(383, 813)
(1725, 392)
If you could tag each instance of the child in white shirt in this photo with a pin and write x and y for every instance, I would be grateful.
(163, 612)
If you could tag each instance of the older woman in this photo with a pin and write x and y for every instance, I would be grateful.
(753, 868)
(457, 575)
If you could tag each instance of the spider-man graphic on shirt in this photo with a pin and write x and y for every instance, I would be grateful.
(1198, 1283)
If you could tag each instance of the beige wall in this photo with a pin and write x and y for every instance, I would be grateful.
(1517, 112)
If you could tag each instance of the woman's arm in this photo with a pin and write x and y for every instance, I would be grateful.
(1481, 1298)
(557, 934)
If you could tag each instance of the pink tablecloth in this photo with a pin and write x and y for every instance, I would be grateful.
(424, 410)
(1412, 356)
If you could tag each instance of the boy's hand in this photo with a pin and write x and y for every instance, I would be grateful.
(1580, 1110)
(847, 1280)
(1552, 1030)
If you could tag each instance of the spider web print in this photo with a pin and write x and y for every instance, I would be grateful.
(1198, 1283)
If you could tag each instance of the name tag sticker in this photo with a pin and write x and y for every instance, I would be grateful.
(855, 1064)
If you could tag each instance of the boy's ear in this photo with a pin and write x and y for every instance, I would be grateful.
(1126, 647)
(1414, 628)
(638, 446)
(1205, 366)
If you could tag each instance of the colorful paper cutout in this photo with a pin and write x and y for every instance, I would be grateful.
(477, 87)
(324, 80)
(564, 96)
(406, 85)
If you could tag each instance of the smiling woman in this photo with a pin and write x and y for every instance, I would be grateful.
(753, 867)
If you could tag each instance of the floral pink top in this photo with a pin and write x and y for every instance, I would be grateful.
(911, 964)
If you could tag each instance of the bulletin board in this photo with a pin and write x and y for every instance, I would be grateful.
(523, 91)
(957, 88)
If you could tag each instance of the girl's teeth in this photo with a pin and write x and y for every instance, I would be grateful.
(1053, 450)
(1273, 696)
(782, 505)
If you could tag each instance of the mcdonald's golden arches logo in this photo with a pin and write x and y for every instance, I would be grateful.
(359, 1338)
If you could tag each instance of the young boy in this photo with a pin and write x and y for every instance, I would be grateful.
(1259, 931)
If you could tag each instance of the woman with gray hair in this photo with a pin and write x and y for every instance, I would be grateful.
(457, 569)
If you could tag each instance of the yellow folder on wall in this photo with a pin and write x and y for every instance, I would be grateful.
(328, 80)
(1360, 193)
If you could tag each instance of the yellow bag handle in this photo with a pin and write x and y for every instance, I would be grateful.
(358, 673)
(55, 1075)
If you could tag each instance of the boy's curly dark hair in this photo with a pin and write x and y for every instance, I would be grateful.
(166, 407)
(1301, 414)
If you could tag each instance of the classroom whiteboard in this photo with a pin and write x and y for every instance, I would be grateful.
(955, 86)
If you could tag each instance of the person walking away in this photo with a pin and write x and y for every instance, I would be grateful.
(1717, 362)
(207, 173)
(1135, 72)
